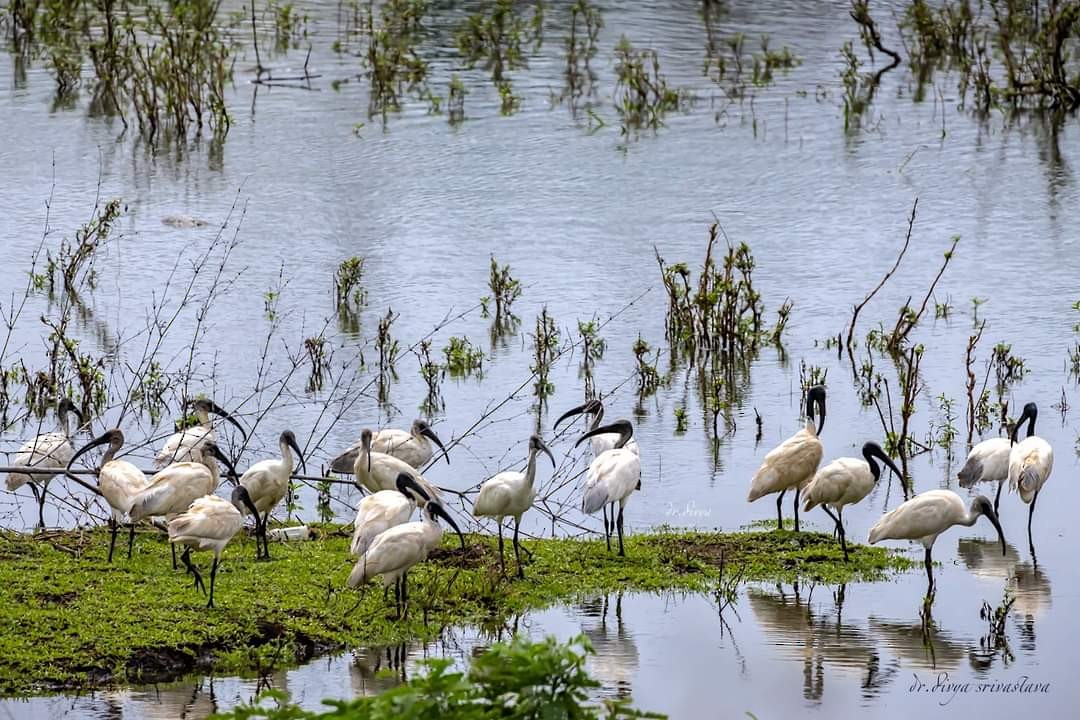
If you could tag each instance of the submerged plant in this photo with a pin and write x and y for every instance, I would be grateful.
(545, 350)
(347, 288)
(462, 357)
(642, 95)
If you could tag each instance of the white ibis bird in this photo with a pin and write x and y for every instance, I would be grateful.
(792, 464)
(987, 461)
(1030, 462)
(412, 447)
(612, 477)
(511, 494)
(846, 481)
(119, 482)
(383, 510)
(603, 441)
(399, 549)
(264, 484)
(208, 524)
(377, 471)
(184, 446)
(927, 515)
(48, 450)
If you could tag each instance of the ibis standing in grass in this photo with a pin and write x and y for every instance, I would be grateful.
(927, 515)
(412, 447)
(119, 482)
(383, 510)
(48, 450)
(1030, 462)
(189, 444)
(846, 481)
(208, 524)
(612, 477)
(603, 441)
(399, 549)
(265, 483)
(793, 463)
(511, 494)
(377, 471)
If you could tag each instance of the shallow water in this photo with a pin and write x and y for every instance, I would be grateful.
(577, 216)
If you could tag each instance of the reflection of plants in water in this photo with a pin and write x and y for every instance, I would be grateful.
(642, 95)
(545, 350)
(592, 349)
(647, 376)
(388, 349)
(318, 354)
(432, 374)
(996, 638)
(393, 62)
(580, 46)
(495, 39)
(505, 289)
(462, 357)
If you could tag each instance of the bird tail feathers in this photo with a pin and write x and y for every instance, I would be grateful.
(970, 474)
(759, 486)
(594, 499)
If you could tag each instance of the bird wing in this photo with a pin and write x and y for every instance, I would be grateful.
(988, 460)
(833, 483)
(265, 486)
(791, 463)
(497, 495)
(398, 548)
(1030, 463)
(172, 490)
(120, 482)
(375, 514)
(209, 518)
(344, 462)
(183, 446)
(922, 516)
(52, 449)
(611, 477)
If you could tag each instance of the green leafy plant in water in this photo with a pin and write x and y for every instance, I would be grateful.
(642, 95)
(505, 288)
(347, 283)
(393, 62)
(681, 419)
(462, 357)
(495, 38)
(432, 374)
(455, 100)
(317, 350)
(545, 350)
(1008, 368)
(648, 377)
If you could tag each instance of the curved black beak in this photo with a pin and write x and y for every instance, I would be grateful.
(221, 412)
(547, 452)
(437, 509)
(99, 440)
(216, 452)
(241, 497)
(1030, 412)
(988, 511)
(429, 433)
(298, 451)
(571, 412)
(405, 483)
(622, 427)
(877, 452)
(815, 402)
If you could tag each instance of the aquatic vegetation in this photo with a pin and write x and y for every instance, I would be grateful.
(681, 420)
(59, 590)
(648, 378)
(505, 289)
(318, 357)
(388, 350)
(393, 62)
(586, 22)
(642, 95)
(592, 349)
(495, 38)
(969, 384)
(462, 357)
(432, 373)
(545, 350)
(455, 100)
(348, 291)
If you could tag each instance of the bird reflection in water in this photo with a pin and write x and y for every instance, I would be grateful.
(616, 660)
(176, 701)
(378, 668)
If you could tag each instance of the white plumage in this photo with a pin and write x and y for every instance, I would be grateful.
(602, 442)
(377, 471)
(846, 481)
(383, 510)
(927, 515)
(612, 477)
(1030, 463)
(511, 494)
(48, 450)
(173, 489)
(988, 461)
(266, 483)
(208, 524)
(412, 447)
(188, 445)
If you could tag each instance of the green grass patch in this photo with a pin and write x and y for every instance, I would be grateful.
(69, 620)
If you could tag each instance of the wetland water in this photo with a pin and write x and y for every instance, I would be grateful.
(577, 215)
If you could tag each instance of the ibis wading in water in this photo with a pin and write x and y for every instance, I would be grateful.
(846, 481)
(209, 524)
(188, 444)
(1030, 463)
(511, 494)
(265, 484)
(377, 471)
(988, 461)
(412, 447)
(927, 515)
(612, 477)
(603, 441)
(383, 510)
(48, 450)
(793, 463)
(396, 551)
(119, 482)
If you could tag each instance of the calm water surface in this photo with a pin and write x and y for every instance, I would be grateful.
(577, 215)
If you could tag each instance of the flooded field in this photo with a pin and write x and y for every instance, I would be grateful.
(306, 178)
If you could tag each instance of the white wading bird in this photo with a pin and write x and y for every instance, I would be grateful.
(927, 515)
(793, 463)
(846, 481)
(613, 476)
(209, 524)
(383, 510)
(1030, 463)
(377, 471)
(188, 444)
(511, 494)
(119, 482)
(172, 490)
(412, 447)
(987, 461)
(48, 450)
(603, 441)
(396, 551)
(264, 484)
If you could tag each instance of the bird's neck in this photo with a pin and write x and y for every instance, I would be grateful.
(286, 456)
(110, 452)
(530, 467)
(874, 469)
(970, 518)
(203, 417)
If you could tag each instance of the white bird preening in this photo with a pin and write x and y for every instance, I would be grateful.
(188, 445)
(264, 484)
(377, 471)
(119, 482)
(383, 510)
(208, 524)
(399, 549)
(1030, 462)
(412, 447)
(511, 494)
(987, 461)
(927, 515)
(846, 481)
(612, 477)
(48, 450)
(792, 463)
(604, 441)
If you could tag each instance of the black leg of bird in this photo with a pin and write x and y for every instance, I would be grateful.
(517, 553)
(173, 555)
(213, 575)
(404, 595)
(502, 562)
(186, 559)
(779, 512)
(622, 552)
(840, 527)
(1031, 511)
(797, 491)
(265, 542)
(929, 574)
(131, 538)
(41, 504)
(607, 537)
(113, 527)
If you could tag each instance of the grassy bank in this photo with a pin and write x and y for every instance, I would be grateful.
(70, 620)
